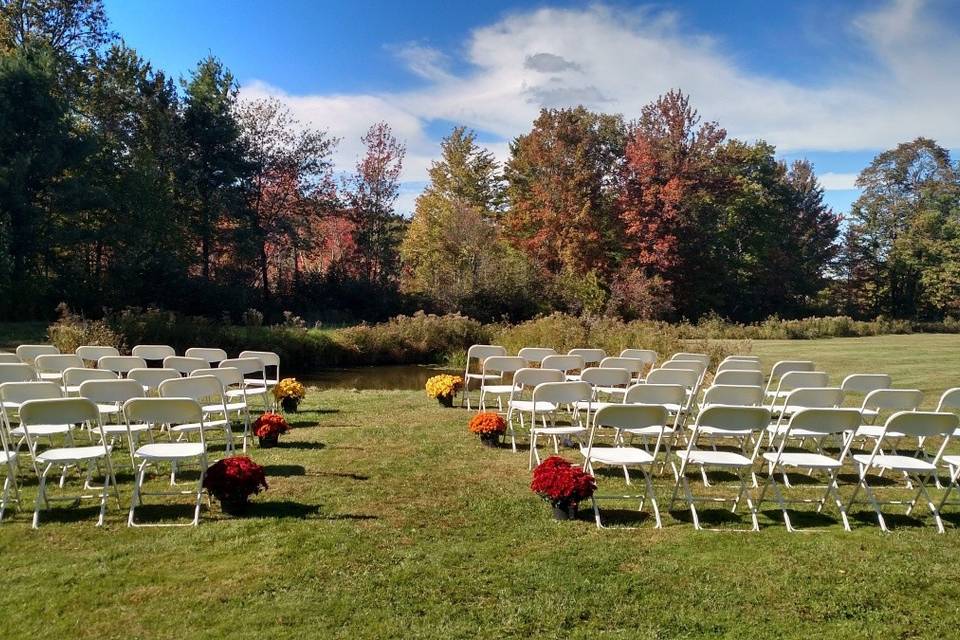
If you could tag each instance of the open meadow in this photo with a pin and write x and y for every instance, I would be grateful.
(385, 518)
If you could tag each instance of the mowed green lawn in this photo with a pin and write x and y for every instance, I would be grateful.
(386, 519)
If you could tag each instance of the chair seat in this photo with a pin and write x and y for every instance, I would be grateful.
(71, 454)
(897, 463)
(498, 389)
(621, 456)
(7, 457)
(169, 451)
(527, 405)
(572, 377)
(713, 431)
(813, 460)
(256, 390)
(874, 431)
(483, 376)
(236, 393)
(43, 430)
(593, 405)
(108, 409)
(796, 433)
(236, 406)
(122, 428)
(191, 427)
(559, 431)
(51, 376)
(614, 391)
(260, 382)
(650, 431)
(715, 458)
(953, 461)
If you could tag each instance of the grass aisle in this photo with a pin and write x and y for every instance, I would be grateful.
(386, 519)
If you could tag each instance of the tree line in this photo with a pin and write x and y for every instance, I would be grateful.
(121, 186)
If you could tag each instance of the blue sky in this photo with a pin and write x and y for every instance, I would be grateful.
(834, 82)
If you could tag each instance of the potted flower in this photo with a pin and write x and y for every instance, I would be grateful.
(289, 393)
(489, 426)
(443, 388)
(233, 480)
(268, 428)
(563, 485)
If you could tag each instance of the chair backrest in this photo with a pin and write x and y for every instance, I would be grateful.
(269, 359)
(733, 395)
(153, 351)
(57, 363)
(813, 398)
(695, 365)
(731, 419)
(950, 400)
(483, 351)
(210, 355)
(752, 378)
(606, 377)
(93, 353)
(244, 365)
(893, 400)
(111, 391)
(29, 352)
(184, 365)
(801, 379)
(9, 358)
(503, 364)
(688, 378)
(228, 376)
(152, 378)
(686, 355)
(739, 365)
(648, 356)
(633, 365)
(562, 363)
(524, 378)
(562, 392)
(535, 355)
(786, 366)
(590, 356)
(865, 382)
(922, 424)
(626, 416)
(61, 411)
(197, 388)
(20, 392)
(825, 420)
(742, 358)
(659, 394)
(121, 364)
(75, 376)
(160, 411)
(19, 372)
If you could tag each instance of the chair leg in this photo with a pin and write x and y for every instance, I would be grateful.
(203, 473)
(41, 496)
(653, 498)
(137, 484)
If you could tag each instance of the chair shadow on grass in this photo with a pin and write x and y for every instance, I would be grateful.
(613, 517)
(336, 474)
(800, 518)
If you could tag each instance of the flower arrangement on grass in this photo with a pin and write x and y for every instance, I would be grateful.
(289, 393)
(443, 388)
(489, 426)
(233, 480)
(269, 427)
(563, 485)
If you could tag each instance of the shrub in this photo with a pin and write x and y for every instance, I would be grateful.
(71, 331)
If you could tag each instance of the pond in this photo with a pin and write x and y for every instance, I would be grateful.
(403, 377)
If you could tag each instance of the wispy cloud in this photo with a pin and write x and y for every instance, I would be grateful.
(617, 60)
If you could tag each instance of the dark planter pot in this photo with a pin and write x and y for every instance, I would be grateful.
(290, 405)
(490, 439)
(564, 511)
(235, 506)
(269, 442)
(445, 401)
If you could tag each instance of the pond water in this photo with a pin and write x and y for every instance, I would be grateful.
(403, 377)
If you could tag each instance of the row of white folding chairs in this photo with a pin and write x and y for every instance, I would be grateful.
(177, 414)
(933, 429)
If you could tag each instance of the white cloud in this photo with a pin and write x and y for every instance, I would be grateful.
(831, 181)
(617, 60)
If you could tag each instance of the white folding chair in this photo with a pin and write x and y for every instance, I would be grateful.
(565, 364)
(735, 420)
(669, 396)
(636, 366)
(51, 367)
(547, 400)
(689, 379)
(35, 413)
(93, 353)
(887, 401)
(234, 393)
(607, 381)
(740, 378)
(8, 459)
(864, 383)
(742, 358)
(153, 352)
(212, 356)
(172, 412)
(647, 356)
(9, 358)
(793, 380)
(207, 391)
(271, 367)
(590, 357)
(73, 378)
(12, 397)
(740, 365)
(29, 352)
(694, 365)
(798, 400)
(535, 355)
(17, 372)
(526, 380)
(686, 355)
(917, 470)
(479, 353)
(492, 382)
(253, 376)
(818, 424)
(731, 395)
(184, 365)
(151, 379)
(121, 365)
(783, 367)
(110, 396)
(620, 418)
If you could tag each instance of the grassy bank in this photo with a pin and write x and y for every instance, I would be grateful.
(386, 519)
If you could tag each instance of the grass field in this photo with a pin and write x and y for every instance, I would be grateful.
(386, 519)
